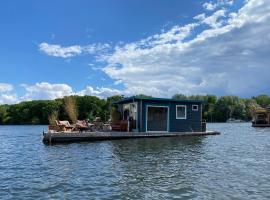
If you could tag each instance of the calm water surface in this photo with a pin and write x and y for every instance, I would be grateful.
(234, 165)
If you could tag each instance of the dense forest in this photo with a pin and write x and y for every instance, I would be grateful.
(215, 109)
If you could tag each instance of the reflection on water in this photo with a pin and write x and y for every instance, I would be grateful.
(234, 165)
(153, 166)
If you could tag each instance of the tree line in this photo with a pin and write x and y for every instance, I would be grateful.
(215, 109)
(220, 109)
(41, 111)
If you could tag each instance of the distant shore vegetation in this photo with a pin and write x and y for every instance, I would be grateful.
(215, 109)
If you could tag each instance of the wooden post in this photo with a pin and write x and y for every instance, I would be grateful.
(255, 119)
(50, 140)
(128, 125)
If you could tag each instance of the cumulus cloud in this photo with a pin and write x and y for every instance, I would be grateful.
(213, 20)
(8, 98)
(49, 91)
(46, 90)
(6, 95)
(177, 33)
(59, 51)
(230, 57)
(212, 6)
(71, 51)
(96, 48)
(209, 6)
(5, 87)
(102, 92)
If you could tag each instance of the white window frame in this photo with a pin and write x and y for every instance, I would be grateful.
(183, 106)
(197, 109)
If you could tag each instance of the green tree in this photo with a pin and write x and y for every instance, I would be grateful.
(229, 107)
(251, 106)
(3, 114)
(179, 97)
(89, 107)
(262, 100)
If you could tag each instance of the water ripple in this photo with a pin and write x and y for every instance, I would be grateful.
(234, 165)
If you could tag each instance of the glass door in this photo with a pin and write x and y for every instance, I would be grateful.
(157, 119)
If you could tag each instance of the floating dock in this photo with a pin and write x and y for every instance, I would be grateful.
(261, 125)
(66, 137)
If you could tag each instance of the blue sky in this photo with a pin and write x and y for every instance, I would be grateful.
(54, 48)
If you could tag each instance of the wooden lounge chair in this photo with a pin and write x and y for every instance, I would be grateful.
(55, 128)
(65, 125)
(82, 125)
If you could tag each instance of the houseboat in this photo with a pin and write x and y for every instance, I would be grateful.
(142, 117)
(261, 118)
(161, 115)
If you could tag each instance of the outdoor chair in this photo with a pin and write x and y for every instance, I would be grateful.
(121, 125)
(64, 125)
(82, 125)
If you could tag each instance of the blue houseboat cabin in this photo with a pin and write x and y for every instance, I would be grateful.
(160, 115)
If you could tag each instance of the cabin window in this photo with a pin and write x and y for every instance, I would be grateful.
(181, 112)
(195, 107)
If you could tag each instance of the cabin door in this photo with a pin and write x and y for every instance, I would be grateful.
(157, 118)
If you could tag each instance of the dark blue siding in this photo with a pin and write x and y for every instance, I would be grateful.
(191, 123)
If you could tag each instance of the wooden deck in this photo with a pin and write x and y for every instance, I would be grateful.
(61, 137)
(261, 125)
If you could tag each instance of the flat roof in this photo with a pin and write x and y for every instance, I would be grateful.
(156, 99)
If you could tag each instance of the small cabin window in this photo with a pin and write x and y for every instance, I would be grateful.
(181, 112)
(195, 107)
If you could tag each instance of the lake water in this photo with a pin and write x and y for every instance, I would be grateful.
(233, 165)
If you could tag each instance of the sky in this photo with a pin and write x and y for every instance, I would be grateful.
(50, 49)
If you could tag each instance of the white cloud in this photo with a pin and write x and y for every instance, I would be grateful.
(8, 98)
(213, 20)
(192, 58)
(177, 33)
(59, 51)
(102, 92)
(49, 91)
(5, 87)
(96, 48)
(200, 17)
(231, 57)
(71, 51)
(46, 90)
(210, 6)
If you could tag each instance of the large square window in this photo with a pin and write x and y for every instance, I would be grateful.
(181, 112)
